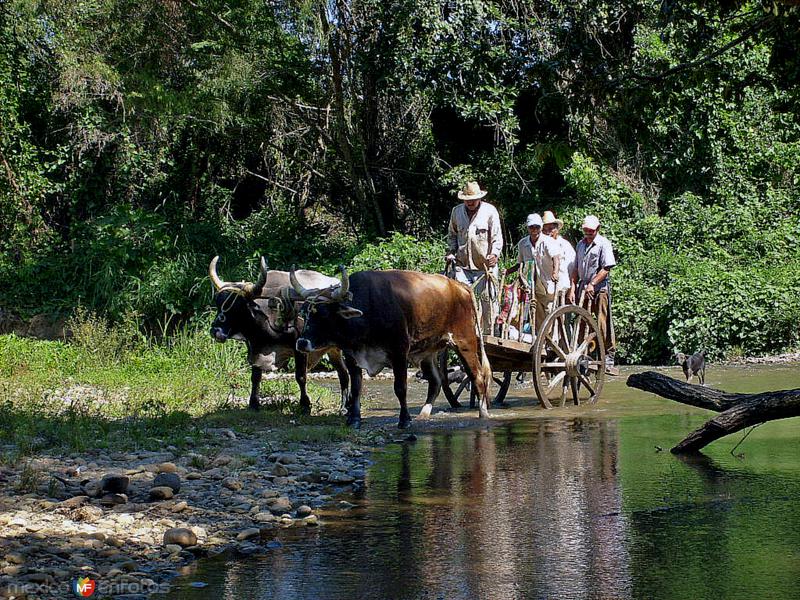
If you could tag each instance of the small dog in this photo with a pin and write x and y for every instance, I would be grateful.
(693, 365)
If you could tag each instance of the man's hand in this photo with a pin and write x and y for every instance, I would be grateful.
(554, 276)
(589, 289)
(571, 296)
(450, 258)
(491, 260)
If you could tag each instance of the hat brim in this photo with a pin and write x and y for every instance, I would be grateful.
(557, 222)
(463, 196)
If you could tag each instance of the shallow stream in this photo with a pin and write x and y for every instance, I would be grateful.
(571, 503)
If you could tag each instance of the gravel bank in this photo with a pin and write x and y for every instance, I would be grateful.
(131, 522)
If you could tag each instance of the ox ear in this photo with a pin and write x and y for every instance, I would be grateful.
(348, 312)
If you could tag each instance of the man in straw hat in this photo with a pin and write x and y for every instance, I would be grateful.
(551, 226)
(594, 260)
(474, 243)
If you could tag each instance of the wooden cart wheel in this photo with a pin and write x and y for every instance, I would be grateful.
(569, 355)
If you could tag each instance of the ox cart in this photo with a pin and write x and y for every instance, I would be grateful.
(566, 358)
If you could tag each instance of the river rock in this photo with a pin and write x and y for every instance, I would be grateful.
(93, 488)
(248, 534)
(113, 499)
(15, 558)
(311, 520)
(180, 506)
(115, 483)
(180, 536)
(168, 479)
(303, 510)
(161, 493)
(167, 467)
(263, 517)
(280, 505)
(286, 458)
(279, 470)
(339, 478)
(74, 502)
(232, 484)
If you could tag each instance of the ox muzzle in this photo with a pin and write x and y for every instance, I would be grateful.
(304, 345)
(219, 334)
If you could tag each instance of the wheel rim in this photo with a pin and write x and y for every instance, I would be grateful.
(569, 358)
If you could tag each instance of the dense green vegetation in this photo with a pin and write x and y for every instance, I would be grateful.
(140, 138)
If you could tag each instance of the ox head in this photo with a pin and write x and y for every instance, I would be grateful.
(325, 313)
(240, 310)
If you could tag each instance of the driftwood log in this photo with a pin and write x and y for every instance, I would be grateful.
(736, 411)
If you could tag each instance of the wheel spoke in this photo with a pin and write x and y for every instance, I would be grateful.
(554, 382)
(587, 383)
(554, 346)
(564, 336)
(554, 365)
(573, 384)
(563, 391)
(576, 328)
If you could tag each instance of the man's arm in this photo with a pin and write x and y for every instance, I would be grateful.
(496, 235)
(452, 233)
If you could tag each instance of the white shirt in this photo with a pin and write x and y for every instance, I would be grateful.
(567, 265)
(472, 240)
(543, 254)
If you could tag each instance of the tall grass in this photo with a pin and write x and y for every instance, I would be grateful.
(110, 386)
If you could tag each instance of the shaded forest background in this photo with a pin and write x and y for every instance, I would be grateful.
(139, 138)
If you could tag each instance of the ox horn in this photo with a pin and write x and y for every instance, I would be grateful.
(298, 287)
(341, 293)
(212, 273)
(262, 278)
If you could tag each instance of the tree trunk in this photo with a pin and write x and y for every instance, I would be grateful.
(736, 411)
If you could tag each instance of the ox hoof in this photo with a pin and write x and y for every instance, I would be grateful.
(254, 406)
(305, 410)
(355, 423)
(484, 414)
(426, 411)
(404, 424)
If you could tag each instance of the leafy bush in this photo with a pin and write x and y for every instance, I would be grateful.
(402, 252)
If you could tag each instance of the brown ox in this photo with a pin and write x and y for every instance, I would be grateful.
(391, 318)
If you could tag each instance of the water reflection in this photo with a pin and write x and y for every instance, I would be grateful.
(529, 510)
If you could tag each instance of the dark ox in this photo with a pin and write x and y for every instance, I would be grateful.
(263, 316)
(391, 318)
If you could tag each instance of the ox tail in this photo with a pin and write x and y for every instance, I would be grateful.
(486, 368)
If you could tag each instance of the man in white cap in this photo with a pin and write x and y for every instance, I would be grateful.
(543, 251)
(594, 260)
(474, 243)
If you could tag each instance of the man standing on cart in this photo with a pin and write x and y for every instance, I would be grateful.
(543, 251)
(474, 243)
(594, 260)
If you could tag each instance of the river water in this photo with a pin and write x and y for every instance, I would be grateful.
(572, 503)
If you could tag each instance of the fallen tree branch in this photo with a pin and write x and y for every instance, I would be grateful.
(736, 411)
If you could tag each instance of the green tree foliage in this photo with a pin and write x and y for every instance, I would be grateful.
(139, 139)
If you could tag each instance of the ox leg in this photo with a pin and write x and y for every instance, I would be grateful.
(399, 367)
(479, 371)
(431, 372)
(300, 376)
(354, 401)
(344, 380)
(255, 383)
